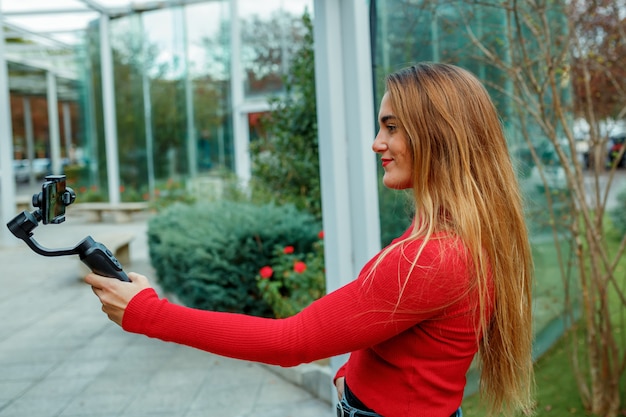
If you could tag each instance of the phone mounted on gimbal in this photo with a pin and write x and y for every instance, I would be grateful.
(50, 205)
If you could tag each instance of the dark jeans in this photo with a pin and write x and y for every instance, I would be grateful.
(351, 406)
(345, 410)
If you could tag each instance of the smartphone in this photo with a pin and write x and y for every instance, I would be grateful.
(52, 204)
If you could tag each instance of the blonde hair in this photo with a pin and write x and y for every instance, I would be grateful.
(464, 183)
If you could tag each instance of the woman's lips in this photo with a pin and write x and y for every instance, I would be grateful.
(386, 161)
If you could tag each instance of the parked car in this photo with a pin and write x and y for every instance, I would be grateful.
(616, 143)
(554, 176)
(582, 151)
(22, 168)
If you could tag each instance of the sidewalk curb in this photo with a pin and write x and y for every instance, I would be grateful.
(314, 378)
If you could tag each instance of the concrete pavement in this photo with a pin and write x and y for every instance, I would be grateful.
(61, 357)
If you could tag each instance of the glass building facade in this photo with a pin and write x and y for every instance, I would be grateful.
(178, 91)
(179, 75)
(423, 30)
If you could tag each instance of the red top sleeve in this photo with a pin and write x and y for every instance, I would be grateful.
(363, 313)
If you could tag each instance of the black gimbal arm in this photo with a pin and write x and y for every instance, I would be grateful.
(22, 227)
(93, 254)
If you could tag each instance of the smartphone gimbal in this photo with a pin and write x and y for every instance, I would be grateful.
(51, 203)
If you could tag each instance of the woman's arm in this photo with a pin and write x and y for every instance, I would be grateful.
(361, 314)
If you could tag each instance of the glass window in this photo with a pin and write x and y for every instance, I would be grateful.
(270, 33)
(407, 32)
(208, 46)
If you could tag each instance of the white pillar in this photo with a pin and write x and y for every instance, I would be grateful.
(434, 34)
(241, 135)
(147, 109)
(67, 130)
(8, 209)
(108, 104)
(346, 120)
(90, 144)
(192, 140)
(53, 123)
(360, 129)
(30, 139)
(192, 137)
(147, 114)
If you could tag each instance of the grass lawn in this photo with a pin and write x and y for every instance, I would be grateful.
(557, 394)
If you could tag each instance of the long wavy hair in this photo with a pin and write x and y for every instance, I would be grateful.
(464, 183)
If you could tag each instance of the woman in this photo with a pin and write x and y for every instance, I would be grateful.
(458, 281)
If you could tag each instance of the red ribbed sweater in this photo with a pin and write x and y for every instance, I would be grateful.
(412, 340)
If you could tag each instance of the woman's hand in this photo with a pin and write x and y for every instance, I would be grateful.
(115, 294)
(340, 384)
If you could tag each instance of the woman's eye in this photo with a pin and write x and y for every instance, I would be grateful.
(391, 128)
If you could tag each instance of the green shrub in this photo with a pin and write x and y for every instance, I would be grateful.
(209, 254)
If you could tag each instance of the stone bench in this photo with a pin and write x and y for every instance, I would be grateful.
(24, 202)
(117, 243)
(122, 212)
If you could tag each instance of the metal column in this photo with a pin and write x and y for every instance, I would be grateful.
(192, 137)
(30, 139)
(110, 120)
(67, 132)
(241, 135)
(345, 113)
(53, 123)
(7, 177)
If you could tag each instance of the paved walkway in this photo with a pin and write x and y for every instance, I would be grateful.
(61, 357)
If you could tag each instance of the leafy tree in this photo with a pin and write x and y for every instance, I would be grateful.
(266, 47)
(286, 158)
(549, 45)
(545, 62)
(133, 57)
(599, 61)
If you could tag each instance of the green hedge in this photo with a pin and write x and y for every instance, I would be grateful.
(209, 254)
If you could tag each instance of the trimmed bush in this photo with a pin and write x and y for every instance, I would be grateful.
(209, 254)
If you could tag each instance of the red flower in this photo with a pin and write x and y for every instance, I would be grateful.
(266, 272)
(122, 189)
(288, 250)
(299, 267)
(321, 234)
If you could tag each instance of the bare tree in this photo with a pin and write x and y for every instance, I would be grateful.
(552, 46)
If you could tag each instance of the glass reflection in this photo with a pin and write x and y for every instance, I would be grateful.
(271, 32)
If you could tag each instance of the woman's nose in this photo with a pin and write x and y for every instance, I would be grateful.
(379, 144)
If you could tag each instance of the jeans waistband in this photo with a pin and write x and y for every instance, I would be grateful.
(347, 411)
